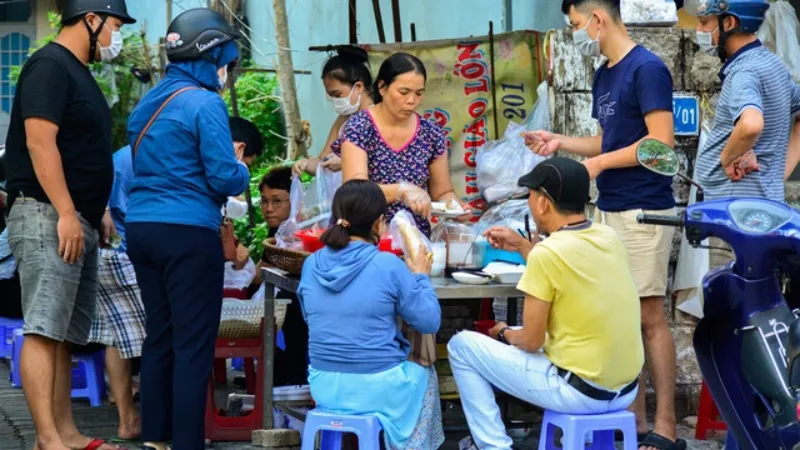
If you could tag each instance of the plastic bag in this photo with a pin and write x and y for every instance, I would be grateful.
(779, 33)
(539, 118)
(406, 236)
(310, 207)
(239, 279)
(643, 12)
(510, 214)
(499, 164)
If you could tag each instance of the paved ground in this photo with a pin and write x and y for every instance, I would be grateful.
(17, 433)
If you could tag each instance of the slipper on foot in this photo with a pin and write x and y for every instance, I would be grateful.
(655, 440)
(96, 444)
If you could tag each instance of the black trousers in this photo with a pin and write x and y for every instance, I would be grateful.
(180, 274)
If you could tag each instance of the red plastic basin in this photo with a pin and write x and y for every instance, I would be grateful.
(311, 242)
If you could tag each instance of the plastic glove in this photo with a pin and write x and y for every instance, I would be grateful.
(415, 198)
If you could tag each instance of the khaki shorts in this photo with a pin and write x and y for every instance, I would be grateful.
(649, 248)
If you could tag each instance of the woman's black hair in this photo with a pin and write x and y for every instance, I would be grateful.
(357, 204)
(394, 66)
(349, 66)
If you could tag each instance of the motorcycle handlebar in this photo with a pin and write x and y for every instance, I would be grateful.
(656, 219)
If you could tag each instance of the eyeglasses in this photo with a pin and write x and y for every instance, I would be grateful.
(544, 192)
(273, 202)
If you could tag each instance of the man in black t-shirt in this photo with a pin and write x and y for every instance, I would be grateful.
(60, 170)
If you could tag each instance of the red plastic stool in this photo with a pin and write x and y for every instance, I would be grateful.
(220, 367)
(220, 427)
(708, 417)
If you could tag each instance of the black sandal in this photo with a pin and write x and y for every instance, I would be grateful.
(655, 440)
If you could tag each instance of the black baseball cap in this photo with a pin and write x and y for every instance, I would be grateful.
(564, 180)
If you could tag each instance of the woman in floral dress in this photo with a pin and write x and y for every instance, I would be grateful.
(393, 146)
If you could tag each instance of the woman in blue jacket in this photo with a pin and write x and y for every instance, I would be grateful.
(184, 170)
(351, 296)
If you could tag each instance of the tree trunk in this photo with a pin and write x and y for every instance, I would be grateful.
(291, 110)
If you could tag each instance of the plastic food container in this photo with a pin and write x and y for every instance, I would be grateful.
(311, 242)
(490, 254)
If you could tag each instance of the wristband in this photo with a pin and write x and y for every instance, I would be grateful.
(501, 336)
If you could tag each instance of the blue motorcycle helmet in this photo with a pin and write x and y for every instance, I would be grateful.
(749, 14)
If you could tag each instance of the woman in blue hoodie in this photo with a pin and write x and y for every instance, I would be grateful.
(184, 170)
(351, 295)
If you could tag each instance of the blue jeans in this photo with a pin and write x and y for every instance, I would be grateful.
(180, 271)
(58, 298)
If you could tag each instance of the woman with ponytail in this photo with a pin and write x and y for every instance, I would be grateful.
(348, 87)
(351, 295)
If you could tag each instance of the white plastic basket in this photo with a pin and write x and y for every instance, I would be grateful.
(242, 318)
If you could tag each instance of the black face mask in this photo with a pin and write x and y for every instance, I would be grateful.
(723, 38)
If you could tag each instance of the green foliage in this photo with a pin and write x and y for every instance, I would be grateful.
(258, 103)
(128, 89)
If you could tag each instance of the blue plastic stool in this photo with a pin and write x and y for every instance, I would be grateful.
(333, 426)
(7, 327)
(88, 380)
(16, 349)
(575, 428)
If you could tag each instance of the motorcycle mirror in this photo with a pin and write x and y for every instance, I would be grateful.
(658, 157)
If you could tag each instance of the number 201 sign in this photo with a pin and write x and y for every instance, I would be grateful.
(686, 109)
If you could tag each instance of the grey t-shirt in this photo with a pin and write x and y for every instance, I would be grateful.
(754, 78)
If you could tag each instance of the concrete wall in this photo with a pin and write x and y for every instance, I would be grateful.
(572, 81)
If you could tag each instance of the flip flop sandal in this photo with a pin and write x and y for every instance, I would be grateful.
(97, 443)
(655, 440)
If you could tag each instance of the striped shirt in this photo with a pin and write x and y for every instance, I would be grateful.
(753, 78)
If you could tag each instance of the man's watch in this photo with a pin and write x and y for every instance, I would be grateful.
(501, 335)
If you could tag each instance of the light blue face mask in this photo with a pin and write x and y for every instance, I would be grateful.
(585, 44)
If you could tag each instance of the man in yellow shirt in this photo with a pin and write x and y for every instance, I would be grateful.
(580, 349)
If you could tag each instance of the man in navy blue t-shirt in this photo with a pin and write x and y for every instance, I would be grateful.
(632, 100)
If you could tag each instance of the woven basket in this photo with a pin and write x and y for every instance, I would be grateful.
(284, 259)
(242, 319)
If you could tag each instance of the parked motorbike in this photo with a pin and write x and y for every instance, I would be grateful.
(748, 341)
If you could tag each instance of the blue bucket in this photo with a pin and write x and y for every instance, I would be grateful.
(490, 254)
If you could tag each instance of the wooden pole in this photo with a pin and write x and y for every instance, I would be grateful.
(494, 86)
(376, 7)
(398, 30)
(353, 22)
(291, 110)
(169, 12)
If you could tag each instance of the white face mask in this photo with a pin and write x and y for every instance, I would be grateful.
(113, 50)
(223, 79)
(343, 106)
(586, 45)
(705, 40)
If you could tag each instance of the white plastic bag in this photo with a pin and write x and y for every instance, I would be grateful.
(644, 12)
(499, 164)
(779, 33)
(310, 207)
(239, 279)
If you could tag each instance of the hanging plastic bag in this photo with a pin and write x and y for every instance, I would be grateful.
(779, 33)
(499, 164)
(310, 207)
(539, 118)
(406, 236)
